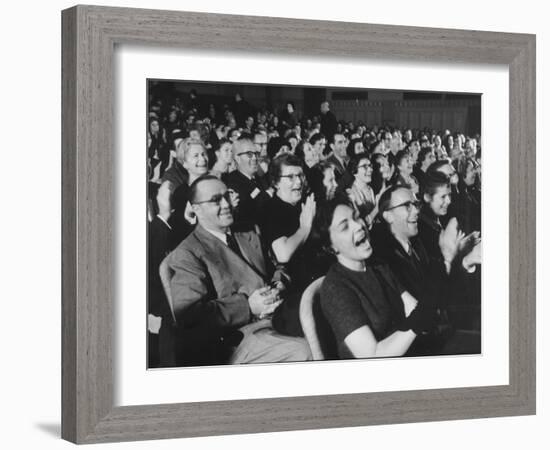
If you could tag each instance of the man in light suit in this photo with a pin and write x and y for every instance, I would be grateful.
(220, 287)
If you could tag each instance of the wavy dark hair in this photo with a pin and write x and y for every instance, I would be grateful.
(323, 219)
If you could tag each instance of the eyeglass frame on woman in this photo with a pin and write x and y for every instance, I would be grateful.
(365, 166)
(293, 176)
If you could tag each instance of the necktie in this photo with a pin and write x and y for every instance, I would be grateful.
(233, 245)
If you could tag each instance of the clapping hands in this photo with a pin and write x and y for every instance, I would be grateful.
(264, 301)
(473, 257)
(450, 239)
(308, 213)
(468, 242)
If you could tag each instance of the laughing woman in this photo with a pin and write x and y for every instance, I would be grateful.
(195, 161)
(360, 193)
(287, 230)
(404, 177)
(369, 312)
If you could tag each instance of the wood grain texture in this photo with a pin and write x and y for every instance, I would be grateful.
(89, 37)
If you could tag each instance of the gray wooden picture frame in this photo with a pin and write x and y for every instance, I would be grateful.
(90, 34)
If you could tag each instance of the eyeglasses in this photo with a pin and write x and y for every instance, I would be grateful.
(409, 205)
(364, 166)
(217, 199)
(250, 154)
(294, 176)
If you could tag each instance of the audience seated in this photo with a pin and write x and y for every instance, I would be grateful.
(251, 206)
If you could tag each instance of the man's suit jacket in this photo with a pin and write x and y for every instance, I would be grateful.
(248, 213)
(424, 277)
(339, 169)
(211, 283)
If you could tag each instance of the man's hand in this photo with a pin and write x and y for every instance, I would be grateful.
(449, 240)
(264, 301)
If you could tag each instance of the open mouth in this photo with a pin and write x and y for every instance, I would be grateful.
(361, 238)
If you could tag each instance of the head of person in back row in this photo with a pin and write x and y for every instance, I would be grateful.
(319, 142)
(322, 181)
(306, 152)
(445, 167)
(404, 174)
(339, 157)
(194, 158)
(247, 182)
(355, 147)
(245, 154)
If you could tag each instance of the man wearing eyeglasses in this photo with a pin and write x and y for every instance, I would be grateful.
(247, 182)
(428, 279)
(222, 286)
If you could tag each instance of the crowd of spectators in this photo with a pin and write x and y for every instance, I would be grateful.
(390, 217)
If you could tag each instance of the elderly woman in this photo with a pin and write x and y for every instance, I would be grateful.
(195, 161)
(369, 312)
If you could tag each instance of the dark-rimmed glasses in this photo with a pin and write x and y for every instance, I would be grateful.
(217, 198)
(408, 204)
(294, 176)
(249, 154)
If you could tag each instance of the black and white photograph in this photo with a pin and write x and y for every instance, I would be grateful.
(297, 223)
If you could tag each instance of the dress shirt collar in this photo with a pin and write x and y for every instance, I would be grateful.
(217, 234)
